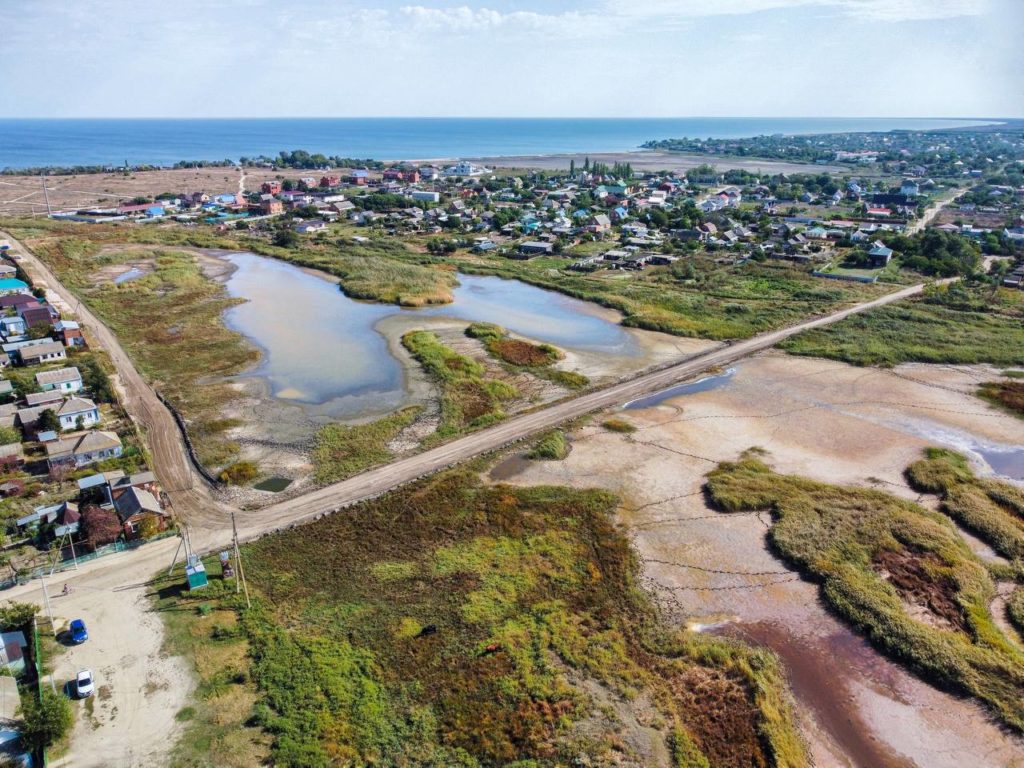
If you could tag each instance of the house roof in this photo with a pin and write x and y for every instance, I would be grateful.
(89, 442)
(135, 501)
(39, 398)
(59, 376)
(38, 350)
(13, 284)
(76, 405)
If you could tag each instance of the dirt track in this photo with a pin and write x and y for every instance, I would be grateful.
(209, 518)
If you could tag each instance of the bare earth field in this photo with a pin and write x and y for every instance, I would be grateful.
(21, 195)
(713, 571)
(653, 161)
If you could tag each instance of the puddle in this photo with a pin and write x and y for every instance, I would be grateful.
(508, 468)
(273, 484)
(706, 384)
(132, 274)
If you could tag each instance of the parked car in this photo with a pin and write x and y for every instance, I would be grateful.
(84, 686)
(79, 634)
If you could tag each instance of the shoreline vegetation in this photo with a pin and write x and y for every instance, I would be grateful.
(171, 322)
(456, 623)
(899, 573)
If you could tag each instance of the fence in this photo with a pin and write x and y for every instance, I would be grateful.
(66, 565)
(189, 448)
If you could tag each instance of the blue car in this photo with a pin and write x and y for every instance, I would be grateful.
(79, 634)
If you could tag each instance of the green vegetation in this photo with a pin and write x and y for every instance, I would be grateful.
(169, 320)
(616, 424)
(1015, 609)
(992, 509)
(46, 720)
(553, 447)
(524, 355)
(203, 627)
(899, 573)
(1006, 394)
(716, 302)
(458, 624)
(469, 400)
(240, 473)
(950, 324)
(341, 450)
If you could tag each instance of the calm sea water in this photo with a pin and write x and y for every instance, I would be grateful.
(39, 142)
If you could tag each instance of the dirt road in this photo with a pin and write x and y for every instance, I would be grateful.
(130, 721)
(209, 518)
(253, 524)
(932, 211)
(187, 491)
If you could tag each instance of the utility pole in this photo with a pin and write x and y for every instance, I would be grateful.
(46, 600)
(238, 563)
(46, 194)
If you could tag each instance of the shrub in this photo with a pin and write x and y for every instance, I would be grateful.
(240, 473)
(552, 447)
(15, 616)
(46, 721)
(618, 425)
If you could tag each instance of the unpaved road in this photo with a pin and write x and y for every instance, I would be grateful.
(208, 517)
(139, 688)
(932, 211)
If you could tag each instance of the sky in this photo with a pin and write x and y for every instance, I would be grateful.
(571, 58)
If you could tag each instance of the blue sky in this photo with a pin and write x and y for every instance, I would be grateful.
(195, 58)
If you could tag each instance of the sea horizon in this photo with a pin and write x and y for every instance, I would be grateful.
(64, 142)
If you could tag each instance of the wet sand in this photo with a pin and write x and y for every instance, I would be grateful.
(714, 571)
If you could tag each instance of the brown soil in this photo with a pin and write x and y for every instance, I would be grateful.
(721, 716)
(1008, 394)
(930, 594)
(519, 352)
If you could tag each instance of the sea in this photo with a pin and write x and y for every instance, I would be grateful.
(31, 143)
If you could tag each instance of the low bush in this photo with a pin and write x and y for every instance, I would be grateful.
(240, 473)
(616, 424)
(552, 447)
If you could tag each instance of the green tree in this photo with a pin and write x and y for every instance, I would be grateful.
(45, 721)
(9, 435)
(48, 421)
(286, 238)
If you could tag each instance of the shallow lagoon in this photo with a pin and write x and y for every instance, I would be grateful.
(321, 347)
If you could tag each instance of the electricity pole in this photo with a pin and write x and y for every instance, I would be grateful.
(238, 563)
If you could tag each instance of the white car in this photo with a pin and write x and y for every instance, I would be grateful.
(84, 686)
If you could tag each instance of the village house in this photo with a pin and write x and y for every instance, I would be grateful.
(42, 398)
(63, 514)
(880, 255)
(10, 286)
(41, 315)
(78, 413)
(37, 354)
(82, 450)
(12, 327)
(272, 187)
(69, 333)
(309, 227)
(67, 380)
(535, 248)
(135, 505)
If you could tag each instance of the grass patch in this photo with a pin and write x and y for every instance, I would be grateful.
(1015, 609)
(552, 447)
(170, 321)
(519, 355)
(621, 426)
(342, 450)
(989, 508)
(718, 302)
(963, 326)
(899, 573)
(216, 727)
(445, 624)
(1008, 395)
(469, 399)
(240, 473)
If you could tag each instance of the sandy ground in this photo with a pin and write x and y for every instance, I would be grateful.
(139, 689)
(653, 161)
(713, 571)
